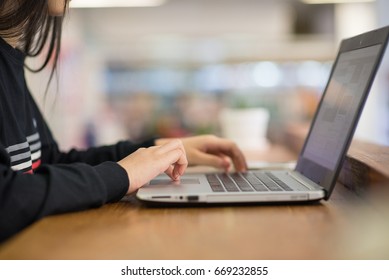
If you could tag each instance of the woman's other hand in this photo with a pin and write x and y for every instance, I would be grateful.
(213, 151)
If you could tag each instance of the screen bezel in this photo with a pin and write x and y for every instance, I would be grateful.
(312, 170)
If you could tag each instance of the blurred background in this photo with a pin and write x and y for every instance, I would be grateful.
(133, 69)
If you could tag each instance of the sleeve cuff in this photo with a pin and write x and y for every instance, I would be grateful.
(115, 179)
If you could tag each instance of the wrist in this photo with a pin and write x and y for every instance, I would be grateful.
(162, 141)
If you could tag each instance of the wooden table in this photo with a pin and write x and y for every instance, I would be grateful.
(129, 230)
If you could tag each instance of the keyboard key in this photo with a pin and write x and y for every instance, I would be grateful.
(228, 184)
(279, 182)
(268, 182)
(255, 182)
(214, 182)
(242, 183)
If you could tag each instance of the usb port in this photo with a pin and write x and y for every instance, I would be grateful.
(193, 198)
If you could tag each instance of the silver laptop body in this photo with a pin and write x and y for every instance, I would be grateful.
(323, 153)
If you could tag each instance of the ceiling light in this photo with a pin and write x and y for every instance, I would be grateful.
(335, 1)
(115, 3)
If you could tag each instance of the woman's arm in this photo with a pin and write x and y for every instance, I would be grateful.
(52, 189)
(95, 155)
(59, 188)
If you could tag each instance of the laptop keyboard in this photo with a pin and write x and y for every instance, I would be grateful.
(246, 182)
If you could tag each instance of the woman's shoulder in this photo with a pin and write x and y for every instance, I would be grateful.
(10, 54)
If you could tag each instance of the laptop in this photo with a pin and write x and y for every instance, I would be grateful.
(321, 157)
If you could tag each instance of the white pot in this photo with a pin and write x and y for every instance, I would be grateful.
(247, 127)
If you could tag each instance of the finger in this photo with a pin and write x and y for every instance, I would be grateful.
(230, 149)
(171, 145)
(180, 165)
(175, 172)
(218, 161)
(179, 170)
(239, 162)
(178, 159)
(227, 162)
(169, 172)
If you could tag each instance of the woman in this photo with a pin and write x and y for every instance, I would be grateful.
(36, 178)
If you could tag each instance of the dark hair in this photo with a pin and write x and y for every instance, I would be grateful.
(30, 21)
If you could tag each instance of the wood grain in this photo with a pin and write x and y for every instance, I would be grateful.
(127, 230)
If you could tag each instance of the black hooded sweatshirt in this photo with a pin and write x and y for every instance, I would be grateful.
(36, 178)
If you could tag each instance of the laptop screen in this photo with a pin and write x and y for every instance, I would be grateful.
(337, 114)
(340, 105)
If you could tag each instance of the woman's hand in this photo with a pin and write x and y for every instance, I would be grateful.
(146, 163)
(213, 151)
